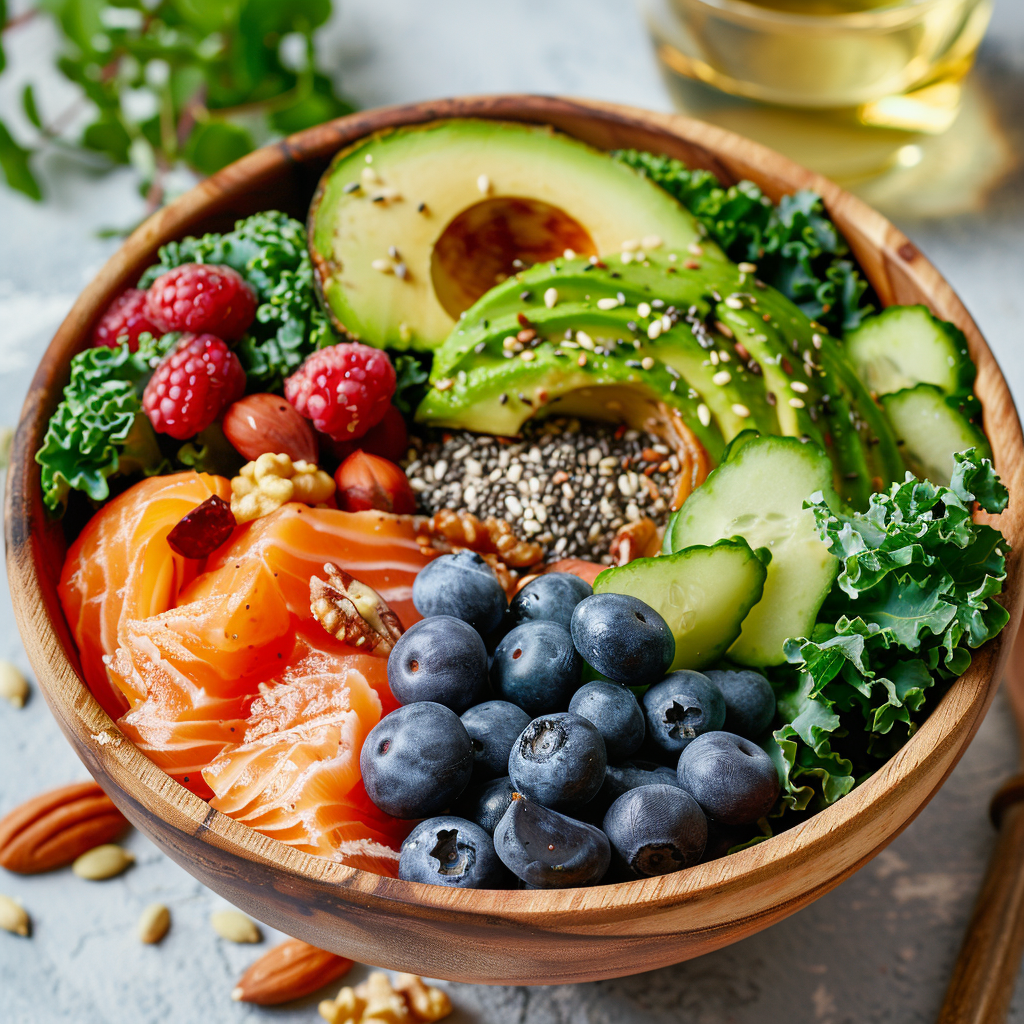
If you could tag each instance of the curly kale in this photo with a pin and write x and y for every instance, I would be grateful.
(99, 428)
(795, 245)
(914, 595)
(269, 251)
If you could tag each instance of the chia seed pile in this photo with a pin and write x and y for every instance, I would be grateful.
(567, 486)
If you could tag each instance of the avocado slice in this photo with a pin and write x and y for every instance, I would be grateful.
(409, 227)
(697, 338)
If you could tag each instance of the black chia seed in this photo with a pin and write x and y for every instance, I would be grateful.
(569, 486)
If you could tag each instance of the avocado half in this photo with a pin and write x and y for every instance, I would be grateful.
(692, 348)
(410, 227)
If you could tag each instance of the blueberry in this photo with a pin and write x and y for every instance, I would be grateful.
(623, 638)
(536, 666)
(453, 852)
(486, 803)
(615, 712)
(463, 585)
(625, 777)
(683, 705)
(493, 728)
(559, 761)
(749, 701)
(441, 659)
(656, 829)
(551, 596)
(548, 850)
(732, 778)
(417, 760)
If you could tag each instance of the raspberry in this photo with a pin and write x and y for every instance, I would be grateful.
(125, 318)
(202, 298)
(344, 390)
(193, 383)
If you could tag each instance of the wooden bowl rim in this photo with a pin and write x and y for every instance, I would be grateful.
(141, 782)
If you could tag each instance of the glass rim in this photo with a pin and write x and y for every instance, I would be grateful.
(896, 10)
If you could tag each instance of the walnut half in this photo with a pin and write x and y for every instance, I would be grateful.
(353, 612)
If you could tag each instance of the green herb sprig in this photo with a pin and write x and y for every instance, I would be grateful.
(193, 82)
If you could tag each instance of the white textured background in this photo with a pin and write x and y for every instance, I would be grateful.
(878, 949)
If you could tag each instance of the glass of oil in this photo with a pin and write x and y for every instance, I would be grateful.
(843, 86)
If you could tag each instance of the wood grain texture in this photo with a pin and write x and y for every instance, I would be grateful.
(526, 937)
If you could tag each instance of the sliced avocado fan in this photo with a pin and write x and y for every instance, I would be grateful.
(692, 335)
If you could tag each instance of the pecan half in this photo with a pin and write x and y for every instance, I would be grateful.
(289, 971)
(55, 828)
(635, 540)
(448, 530)
(353, 612)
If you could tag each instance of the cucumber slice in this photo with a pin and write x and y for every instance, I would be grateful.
(759, 494)
(931, 428)
(703, 593)
(906, 345)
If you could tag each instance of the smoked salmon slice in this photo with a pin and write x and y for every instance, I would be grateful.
(218, 671)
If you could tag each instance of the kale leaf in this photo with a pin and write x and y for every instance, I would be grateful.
(913, 596)
(99, 428)
(269, 251)
(795, 245)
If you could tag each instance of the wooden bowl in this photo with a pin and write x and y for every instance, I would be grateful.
(507, 936)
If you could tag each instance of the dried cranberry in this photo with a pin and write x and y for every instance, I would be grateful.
(200, 532)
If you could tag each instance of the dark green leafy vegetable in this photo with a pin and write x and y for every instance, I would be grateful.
(410, 385)
(795, 245)
(269, 251)
(172, 82)
(914, 595)
(99, 429)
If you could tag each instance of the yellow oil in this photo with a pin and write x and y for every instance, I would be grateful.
(843, 88)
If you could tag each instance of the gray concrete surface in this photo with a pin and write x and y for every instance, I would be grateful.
(878, 949)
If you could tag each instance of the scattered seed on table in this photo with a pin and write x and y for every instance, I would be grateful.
(102, 862)
(13, 917)
(154, 923)
(234, 926)
(13, 685)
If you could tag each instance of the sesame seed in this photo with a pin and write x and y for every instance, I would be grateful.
(401, 271)
(368, 176)
(527, 356)
(721, 378)
(654, 330)
(584, 341)
(747, 268)
(798, 385)
(643, 310)
(741, 410)
(569, 254)
(651, 242)
(733, 302)
(551, 298)
(582, 360)
(797, 403)
(608, 303)
(383, 266)
(444, 384)
(694, 249)
(816, 340)
(483, 184)
(647, 363)
(627, 257)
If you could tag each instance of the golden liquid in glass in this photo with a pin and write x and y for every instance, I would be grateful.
(839, 84)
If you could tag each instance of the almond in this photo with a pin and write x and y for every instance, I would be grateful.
(289, 971)
(55, 828)
(258, 424)
(369, 482)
